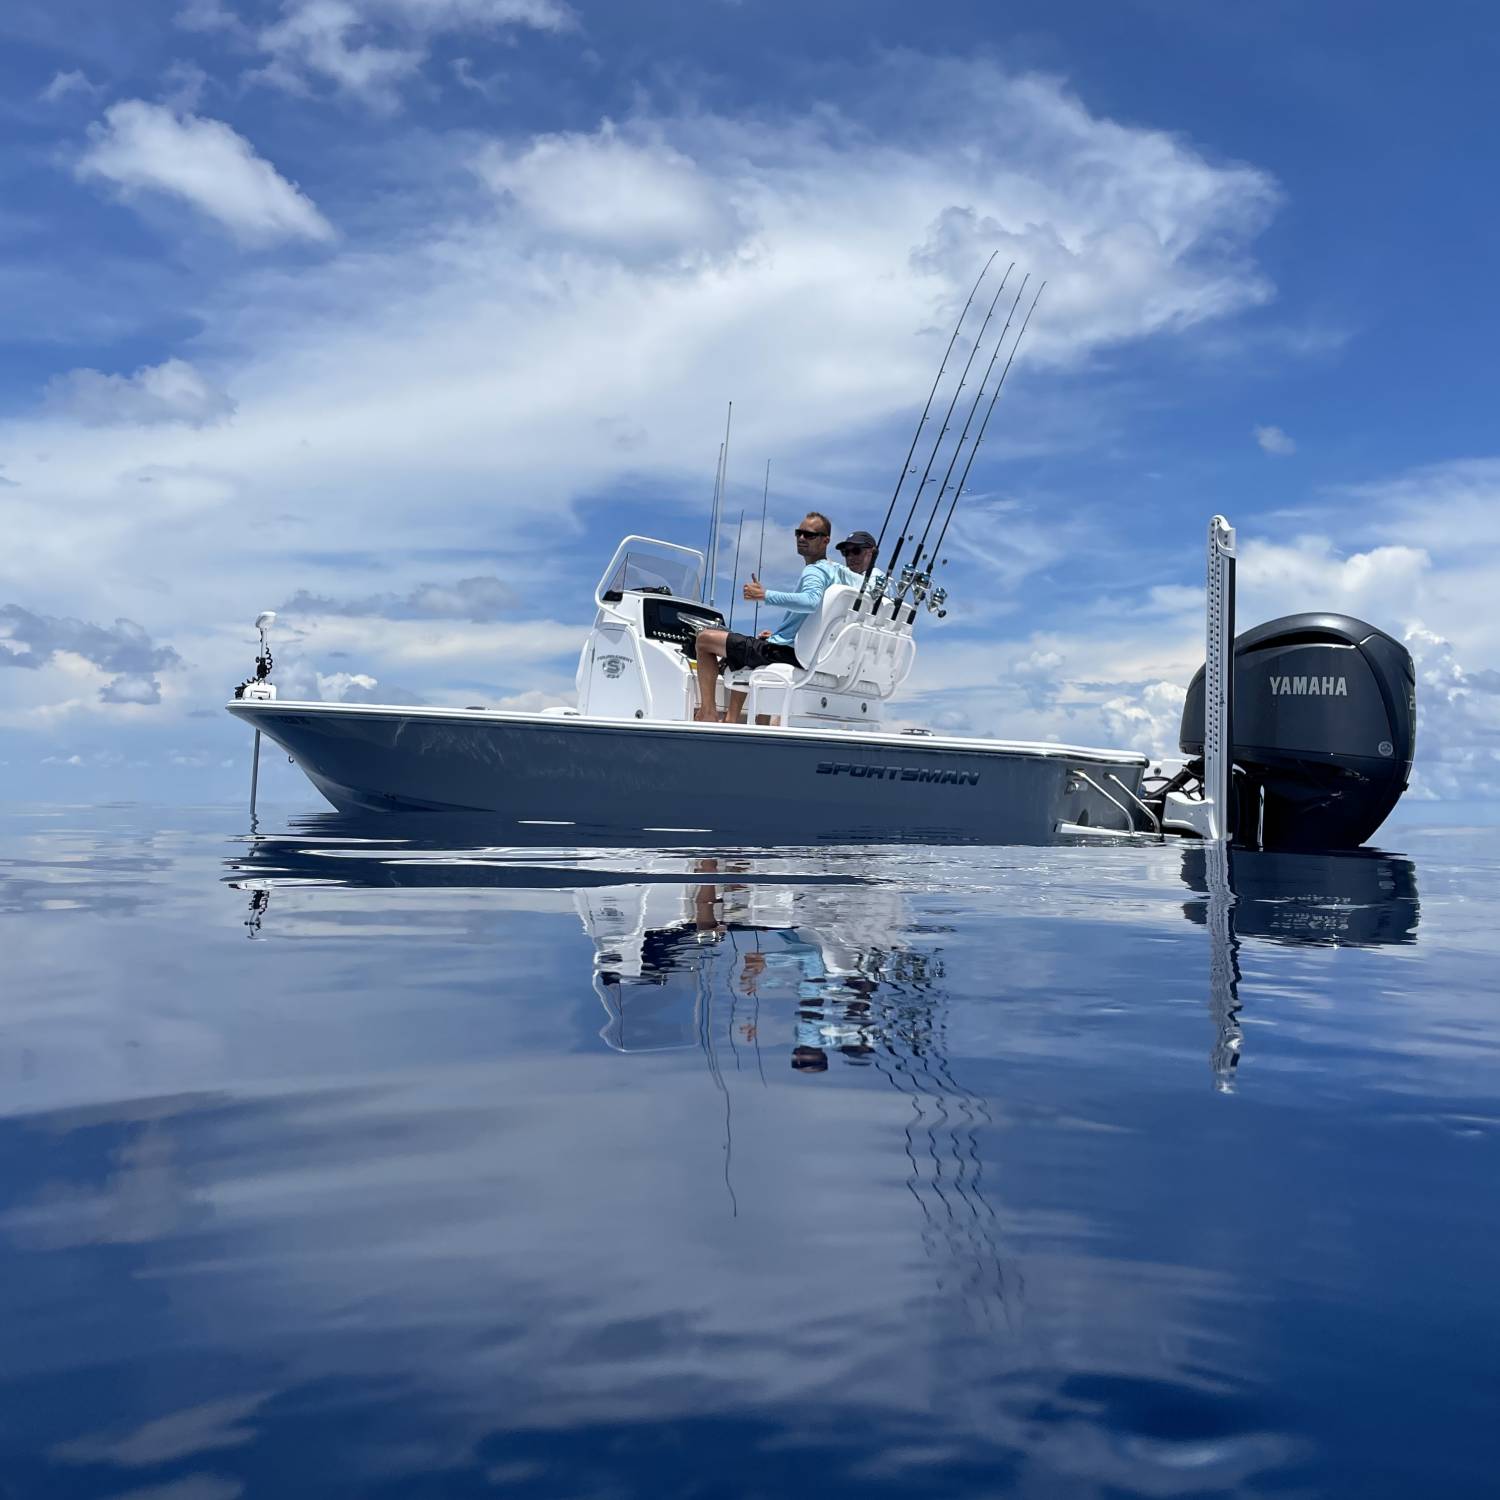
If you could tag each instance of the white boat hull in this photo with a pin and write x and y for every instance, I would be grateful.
(748, 784)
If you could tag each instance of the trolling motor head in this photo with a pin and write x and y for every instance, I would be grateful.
(257, 686)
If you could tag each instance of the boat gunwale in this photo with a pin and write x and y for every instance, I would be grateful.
(248, 710)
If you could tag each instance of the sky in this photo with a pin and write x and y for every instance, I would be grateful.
(395, 315)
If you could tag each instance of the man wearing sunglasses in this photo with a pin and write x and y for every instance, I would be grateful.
(750, 651)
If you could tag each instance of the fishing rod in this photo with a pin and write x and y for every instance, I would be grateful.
(921, 423)
(723, 485)
(890, 571)
(963, 478)
(760, 563)
(915, 580)
(734, 574)
(713, 516)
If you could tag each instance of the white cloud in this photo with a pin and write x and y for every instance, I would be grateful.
(1458, 715)
(208, 16)
(174, 391)
(608, 191)
(335, 687)
(183, 87)
(1149, 720)
(147, 148)
(1274, 441)
(336, 40)
(66, 84)
(444, 392)
(1276, 578)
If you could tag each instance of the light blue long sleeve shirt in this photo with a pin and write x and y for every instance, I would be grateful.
(800, 602)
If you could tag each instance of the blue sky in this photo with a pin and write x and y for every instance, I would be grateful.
(395, 314)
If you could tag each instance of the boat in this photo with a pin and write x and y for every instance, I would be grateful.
(1316, 756)
(629, 757)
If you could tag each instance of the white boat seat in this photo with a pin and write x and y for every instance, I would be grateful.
(843, 653)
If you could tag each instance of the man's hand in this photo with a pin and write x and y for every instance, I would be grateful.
(765, 635)
(755, 590)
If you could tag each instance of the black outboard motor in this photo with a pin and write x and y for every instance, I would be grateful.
(1324, 730)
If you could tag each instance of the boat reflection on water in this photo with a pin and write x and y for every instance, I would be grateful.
(667, 958)
(1358, 898)
(754, 960)
(673, 930)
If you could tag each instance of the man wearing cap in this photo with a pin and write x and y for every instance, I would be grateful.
(858, 549)
(741, 651)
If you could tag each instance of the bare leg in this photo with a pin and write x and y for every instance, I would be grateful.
(736, 714)
(709, 649)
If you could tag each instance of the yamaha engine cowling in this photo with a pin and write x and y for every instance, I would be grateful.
(1323, 730)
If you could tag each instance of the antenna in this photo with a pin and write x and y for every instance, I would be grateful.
(760, 562)
(713, 521)
(734, 575)
(713, 592)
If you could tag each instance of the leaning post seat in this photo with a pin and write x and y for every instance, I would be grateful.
(852, 663)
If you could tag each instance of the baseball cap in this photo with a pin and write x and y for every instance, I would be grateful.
(856, 539)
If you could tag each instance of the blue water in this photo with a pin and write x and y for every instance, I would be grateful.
(350, 1161)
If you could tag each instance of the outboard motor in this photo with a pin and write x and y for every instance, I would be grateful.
(1323, 730)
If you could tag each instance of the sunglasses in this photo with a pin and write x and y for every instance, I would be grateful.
(807, 536)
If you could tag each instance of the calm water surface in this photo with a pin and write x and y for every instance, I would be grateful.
(363, 1160)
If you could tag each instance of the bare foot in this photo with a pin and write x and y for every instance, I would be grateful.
(704, 716)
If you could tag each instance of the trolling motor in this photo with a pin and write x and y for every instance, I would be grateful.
(257, 686)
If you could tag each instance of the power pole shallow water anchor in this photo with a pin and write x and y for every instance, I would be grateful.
(1211, 816)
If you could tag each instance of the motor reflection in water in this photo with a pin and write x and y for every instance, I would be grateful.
(1358, 898)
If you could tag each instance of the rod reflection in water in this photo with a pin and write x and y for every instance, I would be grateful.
(1358, 898)
(848, 997)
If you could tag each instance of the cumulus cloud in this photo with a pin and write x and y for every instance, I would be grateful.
(1458, 716)
(1380, 584)
(174, 391)
(208, 16)
(1274, 441)
(604, 189)
(479, 598)
(67, 84)
(335, 41)
(438, 392)
(148, 148)
(32, 641)
(1147, 720)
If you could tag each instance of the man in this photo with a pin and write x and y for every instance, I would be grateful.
(858, 551)
(748, 651)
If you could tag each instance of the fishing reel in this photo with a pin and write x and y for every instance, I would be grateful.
(257, 687)
(935, 602)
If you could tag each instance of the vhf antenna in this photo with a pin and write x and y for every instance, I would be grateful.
(890, 571)
(921, 423)
(713, 596)
(963, 478)
(713, 520)
(761, 560)
(734, 572)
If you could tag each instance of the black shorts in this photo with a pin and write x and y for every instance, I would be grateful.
(742, 652)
